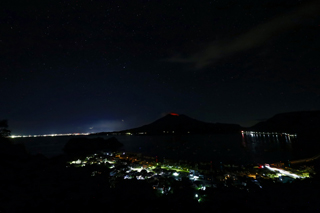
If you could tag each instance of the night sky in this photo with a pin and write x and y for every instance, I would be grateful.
(91, 66)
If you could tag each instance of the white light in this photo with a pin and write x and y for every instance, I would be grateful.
(176, 174)
(283, 172)
(196, 195)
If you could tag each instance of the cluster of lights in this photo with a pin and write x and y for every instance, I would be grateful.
(252, 133)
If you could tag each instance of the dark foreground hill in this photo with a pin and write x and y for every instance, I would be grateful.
(37, 184)
(174, 123)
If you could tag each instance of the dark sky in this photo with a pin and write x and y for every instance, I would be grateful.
(91, 66)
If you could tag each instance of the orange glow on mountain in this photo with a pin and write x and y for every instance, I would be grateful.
(175, 114)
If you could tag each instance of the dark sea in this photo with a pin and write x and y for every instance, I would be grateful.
(225, 148)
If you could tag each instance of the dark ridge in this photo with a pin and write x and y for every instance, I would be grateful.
(291, 122)
(174, 123)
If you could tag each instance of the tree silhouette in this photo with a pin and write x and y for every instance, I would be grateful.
(3, 128)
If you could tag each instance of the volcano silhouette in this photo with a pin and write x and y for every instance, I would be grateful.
(175, 123)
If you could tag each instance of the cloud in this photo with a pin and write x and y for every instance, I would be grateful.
(107, 125)
(255, 37)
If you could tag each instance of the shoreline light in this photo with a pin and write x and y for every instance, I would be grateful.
(48, 135)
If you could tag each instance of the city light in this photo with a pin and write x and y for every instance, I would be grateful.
(48, 135)
(283, 172)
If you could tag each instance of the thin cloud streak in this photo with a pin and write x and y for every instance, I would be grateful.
(251, 39)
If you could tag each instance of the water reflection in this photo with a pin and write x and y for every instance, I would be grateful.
(243, 140)
(267, 145)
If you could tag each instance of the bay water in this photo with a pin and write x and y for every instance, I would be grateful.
(225, 148)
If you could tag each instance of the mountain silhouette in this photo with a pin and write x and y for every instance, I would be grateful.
(175, 123)
(291, 122)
